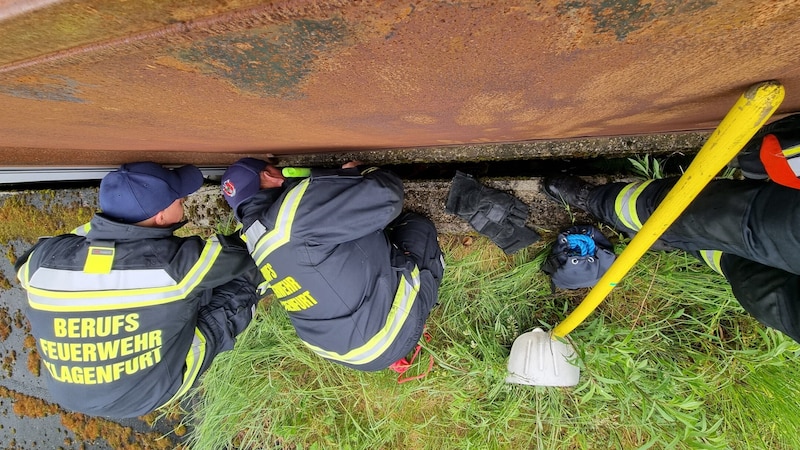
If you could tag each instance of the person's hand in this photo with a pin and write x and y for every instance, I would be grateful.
(351, 164)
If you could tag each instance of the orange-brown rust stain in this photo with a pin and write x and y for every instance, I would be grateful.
(5, 323)
(34, 361)
(73, 23)
(323, 76)
(87, 428)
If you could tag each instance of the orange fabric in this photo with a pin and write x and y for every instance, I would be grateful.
(775, 163)
(403, 364)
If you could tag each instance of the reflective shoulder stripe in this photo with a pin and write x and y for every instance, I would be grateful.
(280, 234)
(194, 361)
(712, 258)
(83, 229)
(401, 306)
(254, 231)
(22, 273)
(74, 294)
(625, 204)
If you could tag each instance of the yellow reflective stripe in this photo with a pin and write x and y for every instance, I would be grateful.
(713, 259)
(625, 204)
(83, 229)
(282, 231)
(791, 151)
(620, 205)
(401, 306)
(194, 361)
(22, 273)
(51, 300)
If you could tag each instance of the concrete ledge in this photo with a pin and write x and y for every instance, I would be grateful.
(206, 208)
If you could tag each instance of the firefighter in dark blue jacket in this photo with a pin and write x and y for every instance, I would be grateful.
(747, 230)
(126, 316)
(357, 276)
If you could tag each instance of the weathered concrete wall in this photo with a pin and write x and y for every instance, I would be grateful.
(220, 78)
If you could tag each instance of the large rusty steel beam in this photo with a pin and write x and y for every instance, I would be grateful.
(213, 79)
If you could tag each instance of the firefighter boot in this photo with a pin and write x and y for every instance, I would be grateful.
(570, 190)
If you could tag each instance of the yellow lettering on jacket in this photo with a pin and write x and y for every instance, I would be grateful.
(83, 327)
(99, 351)
(268, 272)
(106, 373)
(285, 287)
(299, 303)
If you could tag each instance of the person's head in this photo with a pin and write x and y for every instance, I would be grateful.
(247, 176)
(145, 193)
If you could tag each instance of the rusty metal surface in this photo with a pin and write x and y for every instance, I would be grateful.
(216, 79)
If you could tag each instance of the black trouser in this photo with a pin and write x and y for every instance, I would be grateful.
(415, 240)
(755, 224)
(416, 237)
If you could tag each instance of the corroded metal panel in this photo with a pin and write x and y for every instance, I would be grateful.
(235, 77)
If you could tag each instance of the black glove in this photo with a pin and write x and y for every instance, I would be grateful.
(510, 238)
(495, 214)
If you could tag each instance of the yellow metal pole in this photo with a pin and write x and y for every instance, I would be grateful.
(747, 116)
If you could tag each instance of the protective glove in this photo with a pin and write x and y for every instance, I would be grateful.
(480, 205)
(495, 214)
(510, 238)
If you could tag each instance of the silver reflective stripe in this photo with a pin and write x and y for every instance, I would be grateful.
(255, 231)
(712, 258)
(625, 204)
(75, 295)
(73, 280)
(280, 234)
(794, 163)
(403, 302)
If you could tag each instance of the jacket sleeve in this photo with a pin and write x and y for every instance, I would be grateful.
(229, 308)
(228, 259)
(228, 313)
(346, 204)
(770, 295)
(23, 258)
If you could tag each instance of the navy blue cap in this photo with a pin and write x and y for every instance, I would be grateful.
(241, 181)
(138, 191)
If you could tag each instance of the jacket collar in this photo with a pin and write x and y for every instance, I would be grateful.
(250, 210)
(103, 227)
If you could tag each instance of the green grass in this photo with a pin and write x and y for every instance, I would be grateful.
(669, 360)
(646, 166)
